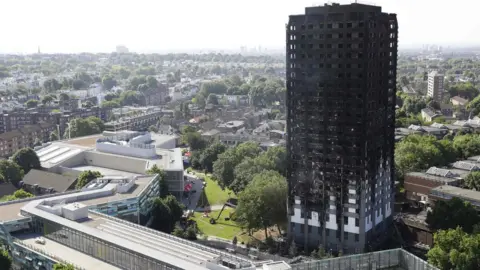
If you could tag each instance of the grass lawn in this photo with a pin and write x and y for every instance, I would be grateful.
(222, 229)
(213, 193)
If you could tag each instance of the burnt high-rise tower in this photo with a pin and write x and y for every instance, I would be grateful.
(341, 79)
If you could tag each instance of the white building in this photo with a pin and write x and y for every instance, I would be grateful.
(435, 86)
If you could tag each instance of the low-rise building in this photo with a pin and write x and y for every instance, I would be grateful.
(133, 152)
(446, 193)
(40, 182)
(429, 114)
(28, 136)
(138, 122)
(437, 132)
(418, 184)
(458, 101)
(231, 126)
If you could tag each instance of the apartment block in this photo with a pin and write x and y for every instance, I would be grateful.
(12, 141)
(341, 84)
(435, 86)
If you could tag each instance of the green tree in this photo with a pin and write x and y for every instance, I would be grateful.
(465, 90)
(5, 260)
(11, 171)
(194, 140)
(78, 84)
(111, 104)
(467, 145)
(224, 166)
(60, 266)
(166, 213)
(152, 82)
(272, 159)
(451, 214)
(110, 96)
(418, 152)
(54, 136)
(52, 85)
(17, 195)
(263, 202)
(215, 87)
(64, 96)
(413, 105)
(108, 82)
(142, 88)
(47, 100)
(212, 99)
(161, 179)
(32, 103)
(472, 181)
(85, 177)
(79, 127)
(455, 249)
(27, 159)
(209, 155)
(136, 81)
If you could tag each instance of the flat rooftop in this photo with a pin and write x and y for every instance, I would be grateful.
(134, 238)
(87, 141)
(104, 171)
(58, 152)
(433, 177)
(457, 192)
(64, 252)
(11, 211)
(150, 241)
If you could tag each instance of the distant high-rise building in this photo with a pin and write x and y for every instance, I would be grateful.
(122, 49)
(38, 50)
(435, 86)
(341, 84)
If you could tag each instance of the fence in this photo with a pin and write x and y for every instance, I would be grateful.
(44, 253)
(176, 239)
(387, 259)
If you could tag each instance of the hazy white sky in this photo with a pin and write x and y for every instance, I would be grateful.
(100, 25)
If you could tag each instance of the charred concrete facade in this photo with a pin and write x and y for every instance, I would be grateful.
(341, 84)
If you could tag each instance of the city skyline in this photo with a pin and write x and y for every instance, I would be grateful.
(187, 25)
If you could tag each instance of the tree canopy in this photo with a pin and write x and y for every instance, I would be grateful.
(224, 166)
(467, 145)
(263, 202)
(455, 249)
(194, 140)
(273, 159)
(204, 158)
(161, 179)
(61, 266)
(17, 195)
(85, 177)
(11, 172)
(79, 127)
(166, 213)
(451, 214)
(420, 152)
(5, 259)
(472, 180)
(27, 159)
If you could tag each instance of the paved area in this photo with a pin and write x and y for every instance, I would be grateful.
(68, 254)
(197, 185)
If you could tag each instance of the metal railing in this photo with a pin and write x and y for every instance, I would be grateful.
(39, 197)
(48, 255)
(386, 259)
(176, 239)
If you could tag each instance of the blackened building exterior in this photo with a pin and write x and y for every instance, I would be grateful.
(341, 84)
